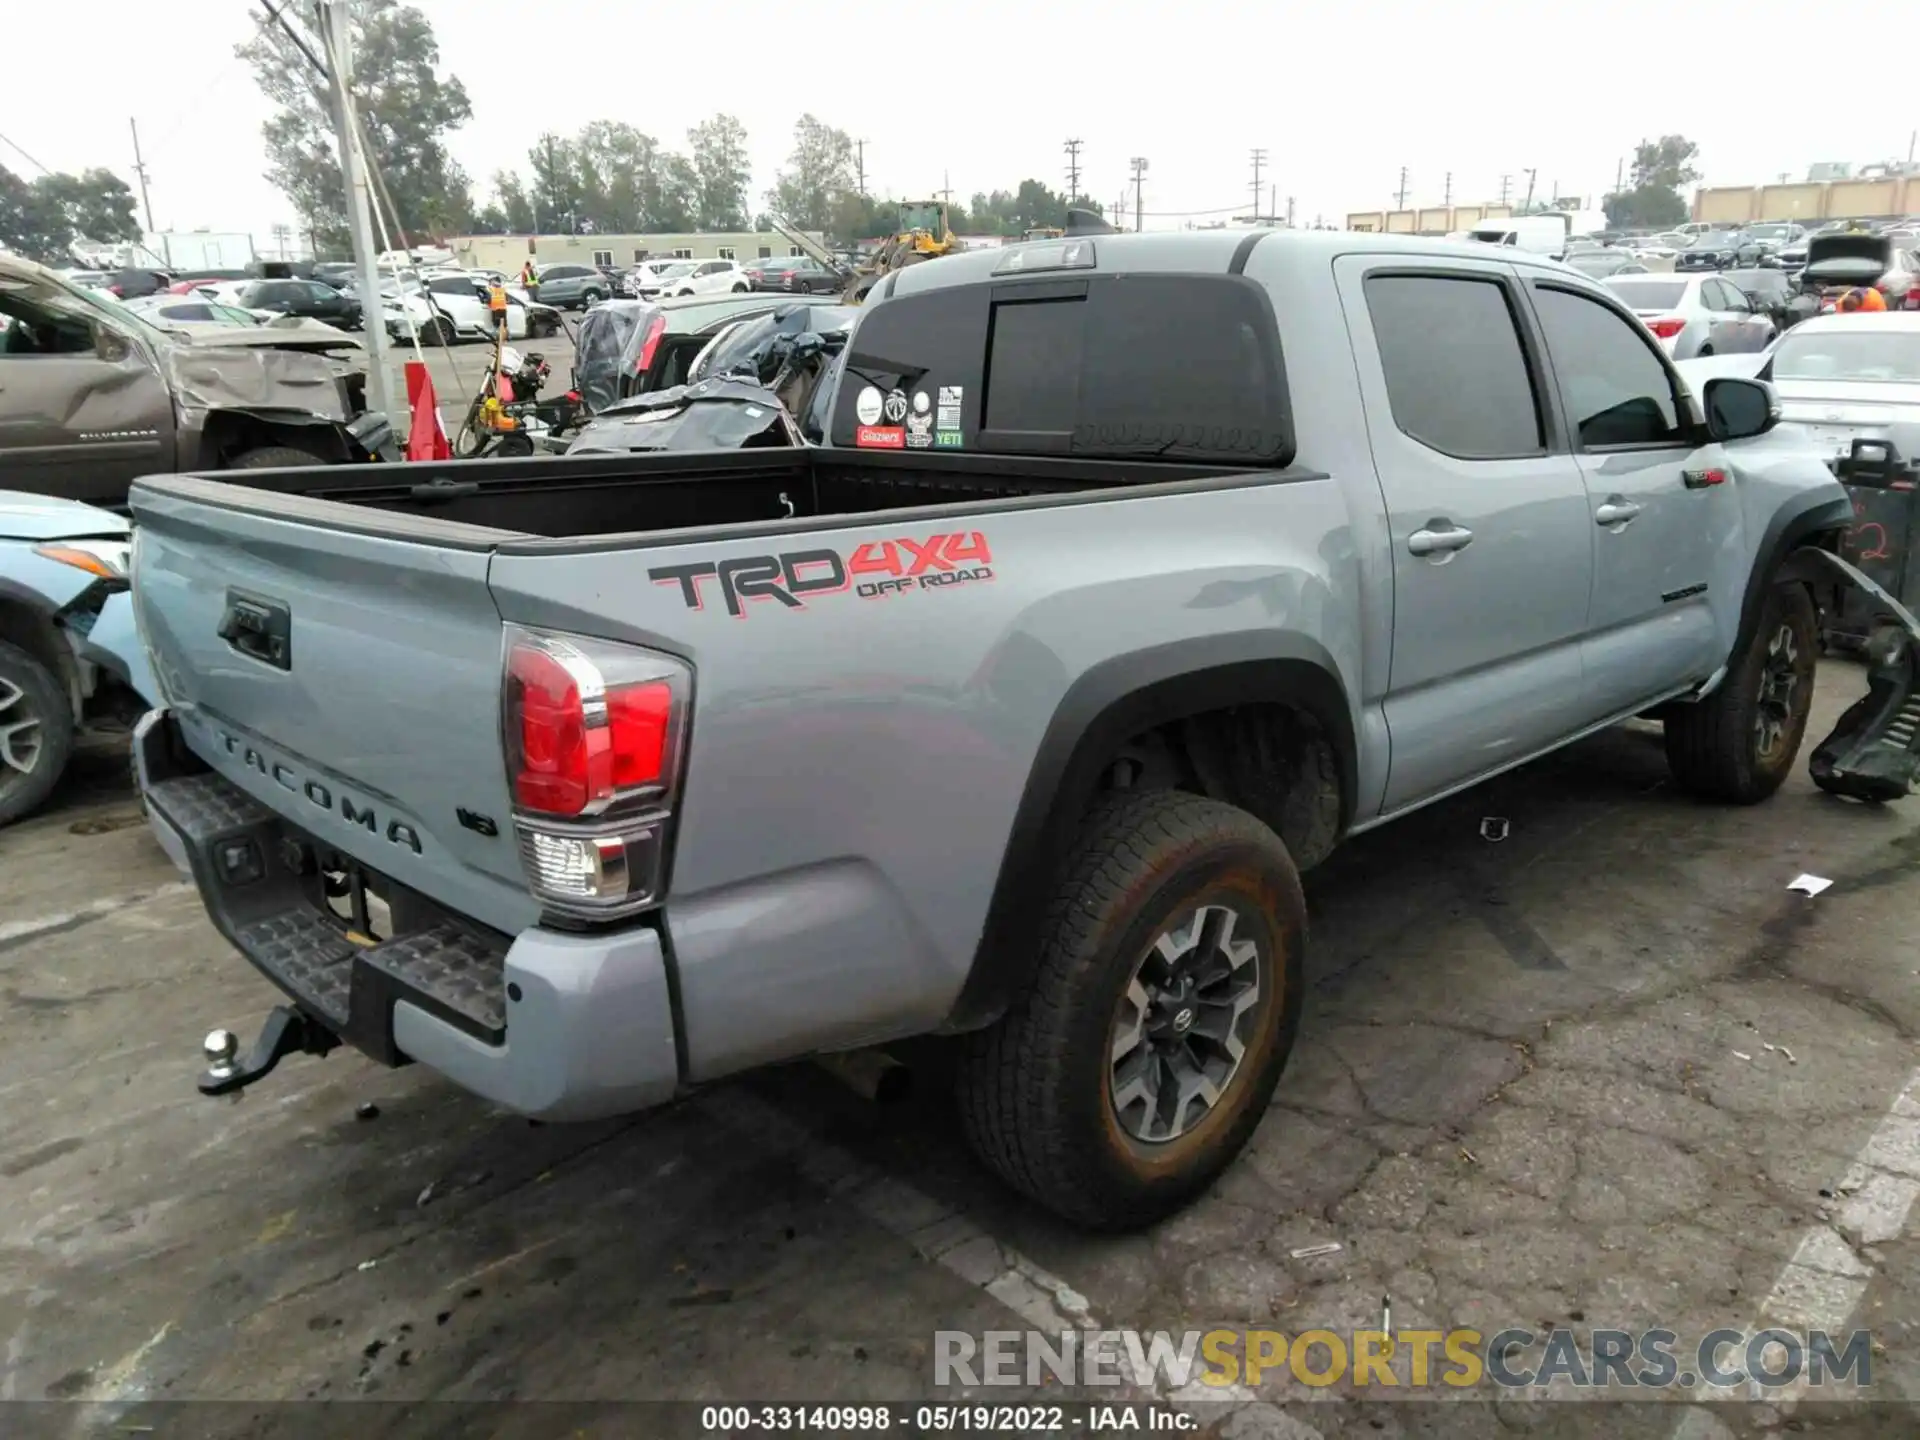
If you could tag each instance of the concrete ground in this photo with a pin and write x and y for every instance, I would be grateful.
(1607, 1071)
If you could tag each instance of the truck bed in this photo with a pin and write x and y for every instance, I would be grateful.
(641, 495)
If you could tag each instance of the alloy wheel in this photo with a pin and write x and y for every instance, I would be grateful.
(20, 734)
(1779, 685)
(1183, 1025)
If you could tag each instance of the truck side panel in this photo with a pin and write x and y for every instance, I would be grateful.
(857, 758)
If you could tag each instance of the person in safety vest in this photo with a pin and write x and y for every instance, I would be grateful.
(1861, 297)
(530, 279)
(497, 310)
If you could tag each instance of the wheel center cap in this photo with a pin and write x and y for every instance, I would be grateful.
(1183, 1020)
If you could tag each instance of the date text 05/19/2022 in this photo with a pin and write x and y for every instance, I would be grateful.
(871, 570)
(946, 1419)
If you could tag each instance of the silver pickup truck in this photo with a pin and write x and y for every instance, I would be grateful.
(1140, 571)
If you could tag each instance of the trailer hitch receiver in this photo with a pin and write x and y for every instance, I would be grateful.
(287, 1032)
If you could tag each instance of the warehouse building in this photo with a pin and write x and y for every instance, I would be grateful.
(509, 252)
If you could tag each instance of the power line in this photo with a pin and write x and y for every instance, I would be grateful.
(30, 160)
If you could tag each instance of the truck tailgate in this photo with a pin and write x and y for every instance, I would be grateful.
(349, 681)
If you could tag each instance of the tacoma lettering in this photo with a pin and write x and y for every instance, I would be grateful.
(397, 832)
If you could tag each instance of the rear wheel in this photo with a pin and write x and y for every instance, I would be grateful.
(1740, 742)
(739, 289)
(437, 331)
(36, 733)
(1142, 1052)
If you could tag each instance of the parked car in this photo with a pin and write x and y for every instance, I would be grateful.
(655, 276)
(573, 287)
(188, 312)
(93, 394)
(1598, 264)
(706, 277)
(663, 339)
(1694, 314)
(1845, 260)
(913, 774)
(71, 662)
(310, 299)
(1851, 377)
(455, 307)
(1773, 294)
(1772, 238)
(336, 273)
(1717, 250)
(796, 275)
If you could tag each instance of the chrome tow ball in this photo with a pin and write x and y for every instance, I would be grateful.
(287, 1032)
(220, 1048)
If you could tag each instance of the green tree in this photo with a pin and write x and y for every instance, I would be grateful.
(407, 107)
(1661, 169)
(43, 218)
(718, 153)
(817, 175)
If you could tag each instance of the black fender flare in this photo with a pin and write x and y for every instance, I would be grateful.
(1791, 525)
(1103, 709)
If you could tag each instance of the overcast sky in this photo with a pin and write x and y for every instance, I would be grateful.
(981, 93)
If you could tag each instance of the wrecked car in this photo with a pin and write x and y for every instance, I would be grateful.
(93, 394)
(71, 664)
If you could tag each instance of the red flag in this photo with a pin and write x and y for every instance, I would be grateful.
(426, 440)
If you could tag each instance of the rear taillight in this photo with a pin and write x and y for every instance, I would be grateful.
(1667, 326)
(656, 328)
(595, 741)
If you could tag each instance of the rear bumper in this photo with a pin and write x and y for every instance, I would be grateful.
(552, 1025)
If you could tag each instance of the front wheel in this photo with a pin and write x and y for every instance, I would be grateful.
(1739, 743)
(273, 457)
(739, 289)
(36, 733)
(1139, 1056)
(589, 298)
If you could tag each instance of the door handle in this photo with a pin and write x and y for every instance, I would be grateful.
(1615, 512)
(1439, 537)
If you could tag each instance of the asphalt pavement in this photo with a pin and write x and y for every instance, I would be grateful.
(1608, 1071)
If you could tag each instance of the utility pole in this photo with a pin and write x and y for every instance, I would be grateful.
(1620, 176)
(1527, 204)
(1139, 174)
(1073, 171)
(860, 163)
(1447, 200)
(553, 189)
(140, 169)
(336, 28)
(1259, 159)
(1289, 212)
(1506, 188)
(1400, 201)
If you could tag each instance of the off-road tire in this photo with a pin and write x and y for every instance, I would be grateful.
(1034, 1088)
(1714, 748)
(43, 696)
(273, 457)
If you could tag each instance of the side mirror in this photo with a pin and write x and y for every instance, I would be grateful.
(110, 345)
(1738, 408)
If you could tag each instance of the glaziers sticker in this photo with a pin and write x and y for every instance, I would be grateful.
(872, 570)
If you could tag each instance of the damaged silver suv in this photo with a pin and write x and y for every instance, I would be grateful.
(93, 395)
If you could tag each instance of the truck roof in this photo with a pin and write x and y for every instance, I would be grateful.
(1203, 251)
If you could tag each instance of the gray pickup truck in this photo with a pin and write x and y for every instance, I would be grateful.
(1140, 571)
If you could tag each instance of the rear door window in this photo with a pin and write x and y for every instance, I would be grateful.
(1457, 377)
(1186, 367)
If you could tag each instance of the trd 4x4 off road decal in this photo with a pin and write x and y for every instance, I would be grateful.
(873, 570)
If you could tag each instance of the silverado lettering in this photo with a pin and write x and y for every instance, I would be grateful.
(397, 832)
(934, 563)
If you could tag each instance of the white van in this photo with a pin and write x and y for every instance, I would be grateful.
(1541, 234)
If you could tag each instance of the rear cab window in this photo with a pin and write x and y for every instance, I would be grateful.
(1139, 365)
(1456, 374)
